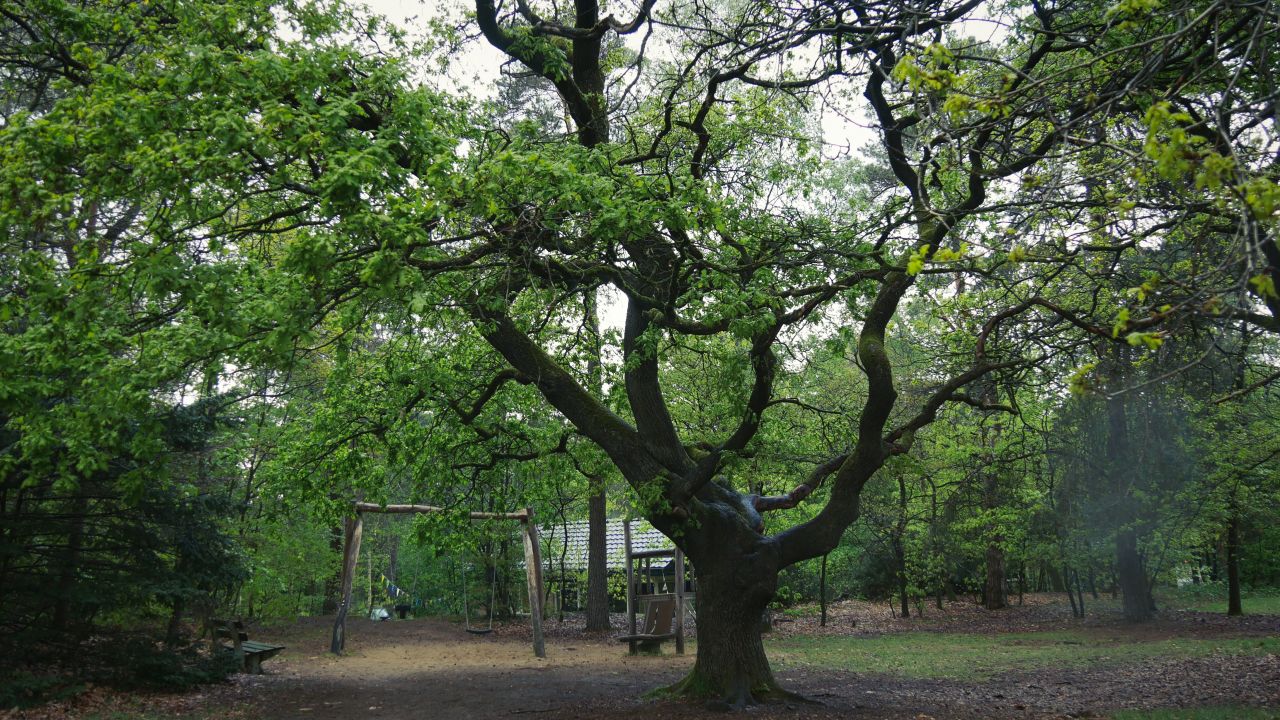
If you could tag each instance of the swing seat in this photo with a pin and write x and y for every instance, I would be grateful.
(658, 617)
(479, 631)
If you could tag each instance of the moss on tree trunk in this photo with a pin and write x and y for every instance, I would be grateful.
(732, 670)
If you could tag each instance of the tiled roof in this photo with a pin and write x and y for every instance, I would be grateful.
(643, 537)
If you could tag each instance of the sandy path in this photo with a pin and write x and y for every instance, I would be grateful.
(430, 669)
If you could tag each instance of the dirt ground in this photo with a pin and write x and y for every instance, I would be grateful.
(401, 670)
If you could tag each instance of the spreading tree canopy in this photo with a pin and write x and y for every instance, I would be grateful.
(191, 189)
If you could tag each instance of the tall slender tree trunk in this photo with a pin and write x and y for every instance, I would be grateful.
(822, 593)
(8, 531)
(900, 558)
(393, 560)
(899, 546)
(1233, 521)
(353, 533)
(1233, 564)
(994, 596)
(65, 592)
(1131, 576)
(597, 559)
(173, 631)
(1075, 610)
(597, 505)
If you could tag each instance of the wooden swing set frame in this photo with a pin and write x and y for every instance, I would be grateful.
(354, 530)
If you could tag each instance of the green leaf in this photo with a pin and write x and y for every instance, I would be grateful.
(1264, 284)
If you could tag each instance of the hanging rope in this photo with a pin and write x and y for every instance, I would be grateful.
(466, 612)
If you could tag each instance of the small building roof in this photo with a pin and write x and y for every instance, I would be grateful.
(643, 538)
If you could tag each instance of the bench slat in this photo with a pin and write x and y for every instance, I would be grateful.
(257, 647)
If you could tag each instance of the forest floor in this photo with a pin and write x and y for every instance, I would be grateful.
(961, 662)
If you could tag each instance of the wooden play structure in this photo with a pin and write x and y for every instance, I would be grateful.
(354, 529)
(656, 579)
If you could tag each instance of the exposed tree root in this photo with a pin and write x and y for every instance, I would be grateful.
(740, 695)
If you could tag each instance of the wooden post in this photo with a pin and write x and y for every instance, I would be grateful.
(631, 588)
(350, 555)
(533, 574)
(679, 601)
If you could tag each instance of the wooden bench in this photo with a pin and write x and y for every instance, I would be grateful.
(658, 617)
(249, 654)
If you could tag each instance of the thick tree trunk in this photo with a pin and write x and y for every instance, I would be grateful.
(1055, 583)
(64, 598)
(737, 578)
(597, 566)
(1132, 578)
(732, 670)
(994, 594)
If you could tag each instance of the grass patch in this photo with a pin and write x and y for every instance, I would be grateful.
(1213, 598)
(959, 656)
(1212, 713)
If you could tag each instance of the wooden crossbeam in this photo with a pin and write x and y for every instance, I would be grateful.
(521, 515)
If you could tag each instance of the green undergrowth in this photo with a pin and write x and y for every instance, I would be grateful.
(979, 657)
(1212, 713)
